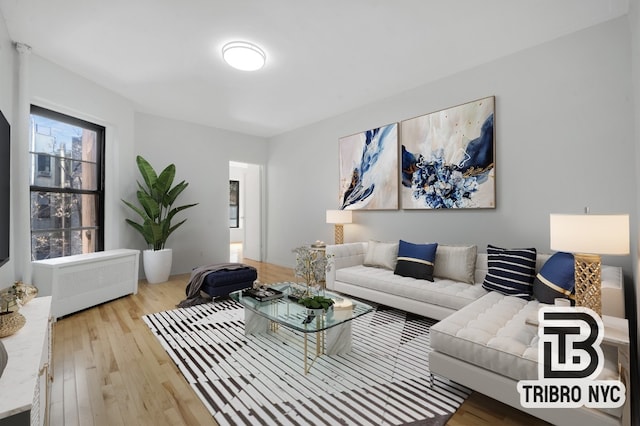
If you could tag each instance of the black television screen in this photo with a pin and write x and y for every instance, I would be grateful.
(5, 187)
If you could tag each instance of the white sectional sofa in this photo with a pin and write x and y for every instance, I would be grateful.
(483, 340)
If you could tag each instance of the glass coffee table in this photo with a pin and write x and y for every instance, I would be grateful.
(332, 329)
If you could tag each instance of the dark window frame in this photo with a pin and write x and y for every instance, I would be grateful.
(99, 192)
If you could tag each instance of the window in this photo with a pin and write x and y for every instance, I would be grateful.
(234, 205)
(44, 165)
(67, 185)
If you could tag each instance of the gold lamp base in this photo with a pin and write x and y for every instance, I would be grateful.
(588, 282)
(339, 233)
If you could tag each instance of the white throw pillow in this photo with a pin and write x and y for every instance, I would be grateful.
(381, 255)
(457, 263)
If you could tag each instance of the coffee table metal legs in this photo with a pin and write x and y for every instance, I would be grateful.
(333, 341)
(320, 339)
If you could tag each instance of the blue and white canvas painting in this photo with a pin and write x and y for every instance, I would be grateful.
(448, 158)
(369, 169)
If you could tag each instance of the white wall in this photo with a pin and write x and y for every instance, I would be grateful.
(61, 90)
(254, 213)
(564, 135)
(634, 22)
(250, 231)
(201, 155)
(56, 88)
(7, 99)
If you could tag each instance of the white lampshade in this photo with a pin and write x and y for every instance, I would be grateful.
(590, 233)
(339, 216)
(243, 55)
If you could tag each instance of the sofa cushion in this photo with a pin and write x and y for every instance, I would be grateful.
(556, 279)
(442, 292)
(493, 333)
(381, 255)
(416, 260)
(457, 263)
(511, 271)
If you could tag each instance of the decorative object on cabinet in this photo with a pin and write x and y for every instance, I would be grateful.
(19, 294)
(448, 158)
(11, 322)
(10, 319)
(369, 169)
(4, 358)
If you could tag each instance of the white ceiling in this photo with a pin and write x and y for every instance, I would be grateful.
(323, 57)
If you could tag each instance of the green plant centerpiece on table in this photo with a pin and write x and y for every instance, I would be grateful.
(157, 197)
(316, 302)
(312, 266)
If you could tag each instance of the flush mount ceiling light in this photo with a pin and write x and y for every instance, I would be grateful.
(243, 55)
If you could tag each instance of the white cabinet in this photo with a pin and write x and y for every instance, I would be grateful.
(25, 382)
(616, 335)
(85, 280)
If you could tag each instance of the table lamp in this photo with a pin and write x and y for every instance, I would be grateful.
(588, 236)
(338, 218)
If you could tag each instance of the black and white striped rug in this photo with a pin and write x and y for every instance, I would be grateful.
(260, 379)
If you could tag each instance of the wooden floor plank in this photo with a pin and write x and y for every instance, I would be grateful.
(110, 369)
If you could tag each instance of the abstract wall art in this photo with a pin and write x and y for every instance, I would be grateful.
(448, 158)
(369, 169)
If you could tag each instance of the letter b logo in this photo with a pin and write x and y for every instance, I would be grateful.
(569, 343)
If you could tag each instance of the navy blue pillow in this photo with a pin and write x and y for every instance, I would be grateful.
(511, 271)
(556, 279)
(416, 260)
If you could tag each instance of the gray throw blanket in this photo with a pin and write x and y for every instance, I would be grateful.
(194, 295)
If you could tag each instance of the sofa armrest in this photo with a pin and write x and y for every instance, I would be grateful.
(343, 256)
(612, 289)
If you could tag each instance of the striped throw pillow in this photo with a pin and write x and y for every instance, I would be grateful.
(511, 271)
(416, 260)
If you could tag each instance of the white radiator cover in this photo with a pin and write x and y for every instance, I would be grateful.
(85, 280)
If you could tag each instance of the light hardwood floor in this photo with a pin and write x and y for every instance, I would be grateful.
(109, 369)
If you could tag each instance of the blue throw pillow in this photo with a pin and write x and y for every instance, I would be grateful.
(556, 279)
(511, 271)
(416, 260)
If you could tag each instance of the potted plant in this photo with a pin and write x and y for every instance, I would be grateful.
(156, 198)
(317, 303)
(311, 265)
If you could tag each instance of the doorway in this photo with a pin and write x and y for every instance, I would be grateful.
(246, 211)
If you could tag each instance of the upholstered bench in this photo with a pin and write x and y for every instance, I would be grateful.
(225, 281)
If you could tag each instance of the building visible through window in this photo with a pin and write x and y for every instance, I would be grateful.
(67, 185)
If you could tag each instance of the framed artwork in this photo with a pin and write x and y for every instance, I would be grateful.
(448, 158)
(234, 204)
(369, 169)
